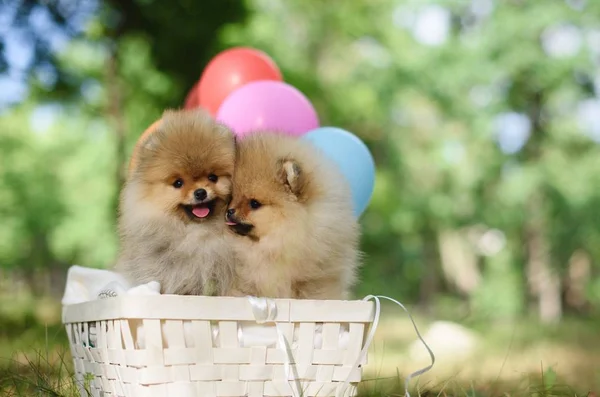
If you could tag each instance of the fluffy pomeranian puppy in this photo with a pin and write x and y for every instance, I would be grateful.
(172, 207)
(297, 236)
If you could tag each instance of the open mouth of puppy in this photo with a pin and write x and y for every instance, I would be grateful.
(243, 229)
(199, 211)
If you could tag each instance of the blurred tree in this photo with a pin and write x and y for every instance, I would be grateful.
(31, 207)
(183, 36)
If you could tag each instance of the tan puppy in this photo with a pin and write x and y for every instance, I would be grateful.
(173, 204)
(292, 212)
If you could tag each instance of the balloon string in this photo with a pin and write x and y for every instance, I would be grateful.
(342, 388)
(265, 310)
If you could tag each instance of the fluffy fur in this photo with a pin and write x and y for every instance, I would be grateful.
(297, 236)
(172, 207)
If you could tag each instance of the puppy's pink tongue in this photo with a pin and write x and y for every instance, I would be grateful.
(201, 212)
(230, 223)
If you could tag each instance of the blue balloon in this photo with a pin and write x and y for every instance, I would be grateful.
(354, 159)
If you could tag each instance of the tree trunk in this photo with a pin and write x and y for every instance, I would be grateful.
(115, 113)
(459, 262)
(579, 272)
(543, 281)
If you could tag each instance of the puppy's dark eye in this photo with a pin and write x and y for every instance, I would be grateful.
(255, 204)
(178, 183)
(213, 178)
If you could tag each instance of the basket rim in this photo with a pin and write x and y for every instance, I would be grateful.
(212, 308)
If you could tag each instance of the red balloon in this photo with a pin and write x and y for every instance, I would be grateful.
(192, 100)
(230, 70)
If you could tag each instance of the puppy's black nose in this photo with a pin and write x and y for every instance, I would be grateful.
(200, 194)
(230, 212)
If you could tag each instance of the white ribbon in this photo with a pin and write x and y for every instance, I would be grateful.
(265, 310)
(365, 349)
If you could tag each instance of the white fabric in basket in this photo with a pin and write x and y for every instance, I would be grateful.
(87, 284)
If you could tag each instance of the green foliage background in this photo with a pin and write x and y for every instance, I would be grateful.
(429, 112)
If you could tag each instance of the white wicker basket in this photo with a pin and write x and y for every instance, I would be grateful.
(181, 346)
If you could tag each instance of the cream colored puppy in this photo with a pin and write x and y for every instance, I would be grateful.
(172, 207)
(297, 236)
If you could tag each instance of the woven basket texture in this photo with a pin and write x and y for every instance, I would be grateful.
(180, 346)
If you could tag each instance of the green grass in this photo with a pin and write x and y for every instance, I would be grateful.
(34, 356)
(518, 359)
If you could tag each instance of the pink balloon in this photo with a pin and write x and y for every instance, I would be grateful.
(268, 105)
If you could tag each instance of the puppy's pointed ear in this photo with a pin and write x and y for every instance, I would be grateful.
(151, 141)
(292, 176)
(147, 145)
